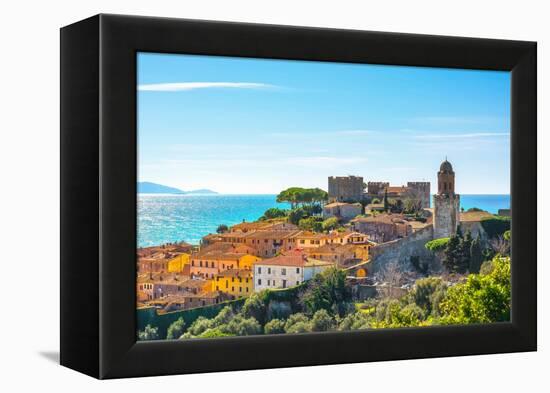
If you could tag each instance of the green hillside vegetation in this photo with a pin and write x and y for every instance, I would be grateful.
(324, 304)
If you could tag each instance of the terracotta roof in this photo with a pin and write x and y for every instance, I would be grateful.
(385, 218)
(474, 216)
(336, 204)
(397, 189)
(272, 234)
(225, 247)
(328, 249)
(310, 235)
(219, 255)
(244, 273)
(315, 262)
(283, 260)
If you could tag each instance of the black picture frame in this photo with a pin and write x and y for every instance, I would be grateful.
(98, 195)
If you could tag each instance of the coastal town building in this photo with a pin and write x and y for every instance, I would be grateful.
(307, 239)
(342, 210)
(185, 301)
(340, 255)
(162, 259)
(383, 227)
(154, 286)
(446, 203)
(286, 271)
(208, 264)
(345, 189)
(262, 226)
(415, 190)
(234, 282)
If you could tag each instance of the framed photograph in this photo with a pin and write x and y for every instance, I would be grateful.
(240, 196)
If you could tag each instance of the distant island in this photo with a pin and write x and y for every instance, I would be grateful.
(154, 188)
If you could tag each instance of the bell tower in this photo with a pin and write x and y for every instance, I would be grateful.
(446, 203)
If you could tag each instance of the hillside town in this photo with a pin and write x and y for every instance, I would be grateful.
(377, 235)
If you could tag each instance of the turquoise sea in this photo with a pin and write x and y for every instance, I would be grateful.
(169, 218)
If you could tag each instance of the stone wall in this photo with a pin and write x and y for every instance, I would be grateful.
(446, 215)
(476, 229)
(422, 191)
(400, 251)
(345, 188)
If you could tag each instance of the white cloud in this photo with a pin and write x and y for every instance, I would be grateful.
(460, 136)
(186, 86)
(456, 120)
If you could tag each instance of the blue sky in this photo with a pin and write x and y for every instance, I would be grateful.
(257, 126)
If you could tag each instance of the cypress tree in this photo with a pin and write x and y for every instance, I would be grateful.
(476, 256)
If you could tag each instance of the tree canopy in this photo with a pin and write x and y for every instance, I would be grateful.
(298, 196)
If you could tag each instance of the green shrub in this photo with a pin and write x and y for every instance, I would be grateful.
(176, 329)
(274, 212)
(214, 333)
(297, 323)
(150, 333)
(481, 299)
(321, 321)
(424, 290)
(354, 321)
(254, 307)
(311, 224)
(437, 244)
(275, 326)
(496, 225)
(330, 224)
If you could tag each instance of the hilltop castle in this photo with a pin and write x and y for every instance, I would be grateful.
(352, 189)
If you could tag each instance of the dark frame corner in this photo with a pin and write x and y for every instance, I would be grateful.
(98, 194)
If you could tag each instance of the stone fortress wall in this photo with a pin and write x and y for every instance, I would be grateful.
(422, 190)
(345, 189)
(401, 250)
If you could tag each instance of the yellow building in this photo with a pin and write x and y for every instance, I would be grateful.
(177, 264)
(246, 261)
(234, 282)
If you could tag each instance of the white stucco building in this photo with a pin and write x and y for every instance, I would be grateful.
(286, 271)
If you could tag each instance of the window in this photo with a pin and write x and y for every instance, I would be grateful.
(232, 279)
(212, 264)
(240, 289)
(223, 265)
(259, 281)
(192, 263)
(302, 241)
(217, 288)
(268, 270)
(297, 270)
(259, 270)
(283, 271)
(268, 282)
(284, 283)
(200, 263)
(297, 282)
(246, 289)
(232, 289)
(227, 284)
(240, 279)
